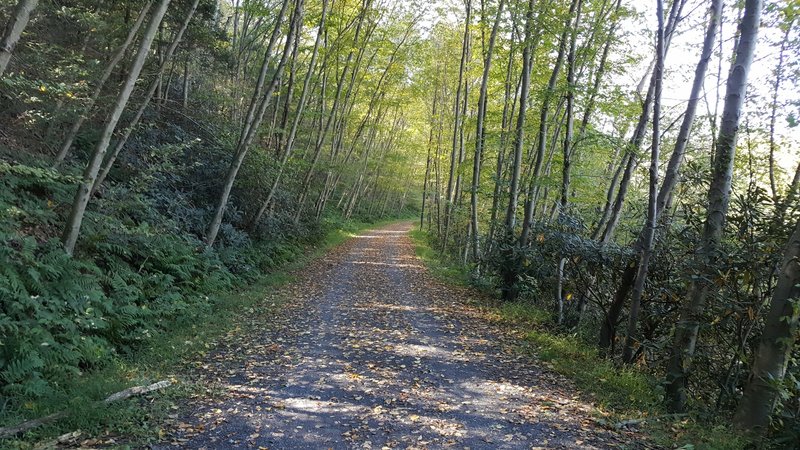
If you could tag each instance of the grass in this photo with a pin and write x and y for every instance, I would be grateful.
(435, 262)
(139, 420)
(620, 392)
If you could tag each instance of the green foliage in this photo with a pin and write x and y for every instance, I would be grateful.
(442, 269)
(60, 316)
(621, 392)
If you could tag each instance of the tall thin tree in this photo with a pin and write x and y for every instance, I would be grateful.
(13, 31)
(258, 107)
(83, 194)
(708, 254)
(652, 198)
(480, 132)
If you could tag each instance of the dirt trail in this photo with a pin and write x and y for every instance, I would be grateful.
(372, 352)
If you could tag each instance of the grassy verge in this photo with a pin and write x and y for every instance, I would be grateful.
(139, 420)
(435, 262)
(620, 393)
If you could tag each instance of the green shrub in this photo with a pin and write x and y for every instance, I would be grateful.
(129, 281)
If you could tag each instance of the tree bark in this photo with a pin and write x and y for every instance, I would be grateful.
(287, 153)
(705, 259)
(509, 275)
(541, 140)
(511, 211)
(306, 185)
(479, 133)
(255, 115)
(112, 157)
(87, 109)
(82, 195)
(13, 31)
(676, 159)
(775, 346)
(773, 114)
(648, 236)
(640, 131)
(608, 327)
(458, 128)
(567, 150)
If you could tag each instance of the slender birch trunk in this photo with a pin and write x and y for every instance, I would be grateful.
(479, 132)
(567, 147)
(544, 115)
(671, 176)
(14, 28)
(255, 115)
(648, 236)
(289, 147)
(112, 157)
(776, 87)
(98, 89)
(457, 128)
(705, 260)
(511, 211)
(775, 347)
(640, 131)
(83, 193)
(509, 275)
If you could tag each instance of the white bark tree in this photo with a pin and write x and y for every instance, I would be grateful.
(14, 29)
(83, 194)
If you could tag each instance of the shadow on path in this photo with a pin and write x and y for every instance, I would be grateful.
(372, 352)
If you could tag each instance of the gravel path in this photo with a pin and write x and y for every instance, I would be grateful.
(372, 352)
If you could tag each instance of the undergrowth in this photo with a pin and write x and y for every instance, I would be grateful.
(141, 293)
(621, 393)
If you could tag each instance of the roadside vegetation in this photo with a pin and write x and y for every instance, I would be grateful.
(622, 176)
(628, 398)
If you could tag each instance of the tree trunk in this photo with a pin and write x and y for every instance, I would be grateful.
(705, 259)
(306, 185)
(640, 131)
(458, 129)
(509, 275)
(112, 157)
(289, 147)
(82, 195)
(508, 105)
(652, 198)
(541, 140)
(186, 82)
(14, 28)
(775, 91)
(479, 133)
(775, 347)
(567, 150)
(87, 109)
(676, 159)
(254, 117)
(511, 211)
(611, 214)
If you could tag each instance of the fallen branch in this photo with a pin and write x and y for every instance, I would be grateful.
(634, 422)
(121, 395)
(137, 390)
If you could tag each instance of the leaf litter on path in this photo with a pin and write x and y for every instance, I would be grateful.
(371, 351)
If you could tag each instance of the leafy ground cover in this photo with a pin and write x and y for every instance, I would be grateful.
(136, 301)
(631, 397)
